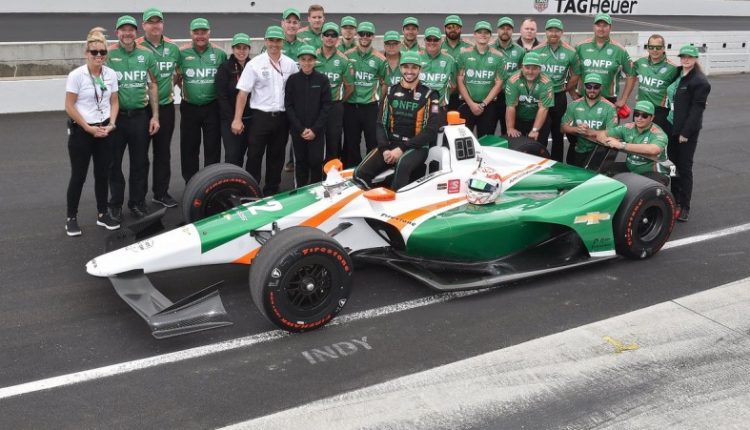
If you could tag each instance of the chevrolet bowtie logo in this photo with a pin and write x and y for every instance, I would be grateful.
(591, 218)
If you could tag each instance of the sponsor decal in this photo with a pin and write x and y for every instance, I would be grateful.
(141, 58)
(417, 96)
(398, 219)
(454, 186)
(115, 59)
(336, 62)
(562, 55)
(442, 186)
(276, 273)
(371, 63)
(189, 57)
(166, 51)
(609, 51)
(190, 73)
(595, 6)
(601, 244)
(592, 218)
(541, 5)
(442, 63)
(119, 76)
(212, 58)
(265, 73)
(490, 60)
(398, 94)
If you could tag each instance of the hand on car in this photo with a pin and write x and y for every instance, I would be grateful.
(512, 132)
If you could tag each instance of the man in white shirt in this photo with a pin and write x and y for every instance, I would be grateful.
(264, 78)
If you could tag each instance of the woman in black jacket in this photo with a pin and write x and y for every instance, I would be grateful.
(235, 145)
(688, 96)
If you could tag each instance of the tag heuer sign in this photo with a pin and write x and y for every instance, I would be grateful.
(541, 5)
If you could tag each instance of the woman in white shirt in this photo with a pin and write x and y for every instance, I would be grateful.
(92, 105)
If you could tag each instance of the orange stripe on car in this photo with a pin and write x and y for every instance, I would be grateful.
(521, 171)
(405, 218)
(328, 212)
(247, 258)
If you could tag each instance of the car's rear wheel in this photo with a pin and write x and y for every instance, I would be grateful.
(217, 188)
(301, 279)
(645, 218)
(528, 146)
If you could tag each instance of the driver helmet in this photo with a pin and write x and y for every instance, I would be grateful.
(484, 186)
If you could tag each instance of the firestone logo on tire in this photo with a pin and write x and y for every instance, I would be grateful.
(541, 5)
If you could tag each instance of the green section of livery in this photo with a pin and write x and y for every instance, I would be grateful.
(226, 226)
(493, 141)
(524, 215)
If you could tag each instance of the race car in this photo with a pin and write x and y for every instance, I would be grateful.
(478, 215)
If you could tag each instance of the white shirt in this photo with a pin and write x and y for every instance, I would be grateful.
(265, 82)
(81, 82)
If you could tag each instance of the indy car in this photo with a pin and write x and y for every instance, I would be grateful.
(478, 215)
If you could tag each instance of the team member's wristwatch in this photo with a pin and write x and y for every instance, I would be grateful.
(483, 105)
(533, 130)
(622, 145)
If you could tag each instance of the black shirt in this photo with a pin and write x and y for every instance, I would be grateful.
(307, 100)
(226, 88)
(690, 102)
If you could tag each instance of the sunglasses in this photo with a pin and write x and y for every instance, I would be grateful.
(639, 114)
(432, 39)
(593, 86)
(96, 52)
(365, 34)
(330, 35)
(655, 47)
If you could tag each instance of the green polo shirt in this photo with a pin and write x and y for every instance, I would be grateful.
(132, 70)
(558, 63)
(366, 71)
(414, 48)
(167, 55)
(512, 54)
(439, 73)
(309, 37)
(454, 52)
(606, 62)
(526, 97)
(628, 133)
(335, 68)
(480, 71)
(343, 48)
(602, 115)
(392, 74)
(198, 73)
(654, 78)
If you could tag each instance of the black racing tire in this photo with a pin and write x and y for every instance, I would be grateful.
(645, 218)
(215, 189)
(528, 146)
(301, 279)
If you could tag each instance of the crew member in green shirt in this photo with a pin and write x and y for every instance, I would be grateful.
(392, 53)
(438, 68)
(453, 44)
(199, 111)
(166, 54)
(310, 35)
(480, 79)
(334, 64)
(528, 97)
(655, 74)
(410, 28)
(348, 33)
(559, 63)
(366, 74)
(136, 80)
(512, 54)
(584, 118)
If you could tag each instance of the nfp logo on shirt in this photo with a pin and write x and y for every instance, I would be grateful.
(132, 76)
(404, 105)
(598, 63)
(481, 74)
(200, 73)
(651, 82)
(553, 68)
(596, 125)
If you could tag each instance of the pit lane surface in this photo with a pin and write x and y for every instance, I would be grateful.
(56, 320)
(46, 26)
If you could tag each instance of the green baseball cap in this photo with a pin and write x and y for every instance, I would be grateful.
(603, 17)
(482, 25)
(306, 50)
(410, 57)
(532, 59)
(433, 32)
(330, 26)
(199, 24)
(366, 27)
(290, 11)
(645, 106)
(410, 20)
(348, 21)
(453, 19)
(391, 36)
(240, 39)
(688, 50)
(126, 20)
(505, 21)
(593, 78)
(274, 32)
(553, 23)
(152, 12)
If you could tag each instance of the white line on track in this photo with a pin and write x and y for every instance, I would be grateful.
(243, 342)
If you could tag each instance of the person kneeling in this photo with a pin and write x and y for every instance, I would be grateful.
(408, 123)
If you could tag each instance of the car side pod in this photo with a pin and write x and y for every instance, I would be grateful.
(200, 311)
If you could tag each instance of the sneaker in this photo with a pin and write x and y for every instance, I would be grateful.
(139, 210)
(683, 215)
(289, 167)
(71, 227)
(116, 214)
(106, 221)
(166, 200)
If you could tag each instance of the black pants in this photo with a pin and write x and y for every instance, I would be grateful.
(82, 147)
(681, 155)
(499, 103)
(525, 128)
(308, 160)
(131, 133)
(660, 119)
(199, 121)
(555, 115)
(161, 148)
(453, 102)
(486, 123)
(235, 145)
(268, 131)
(374, 164)
(334, 127)
(359, 119)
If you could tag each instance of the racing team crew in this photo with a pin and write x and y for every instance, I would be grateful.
(360, 91)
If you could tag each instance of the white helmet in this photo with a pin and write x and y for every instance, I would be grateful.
(484, 186)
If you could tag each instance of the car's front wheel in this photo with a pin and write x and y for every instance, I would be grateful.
(217, 188)
(528, 146)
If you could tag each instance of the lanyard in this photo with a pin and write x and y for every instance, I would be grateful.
(102, 87)
(278, 69)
